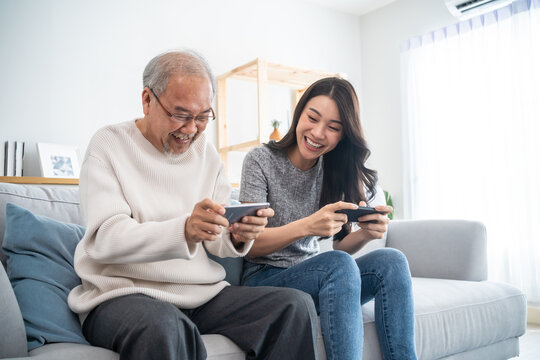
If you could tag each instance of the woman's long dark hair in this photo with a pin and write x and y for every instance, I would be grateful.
(345, 173)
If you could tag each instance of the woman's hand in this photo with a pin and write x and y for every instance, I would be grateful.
(326, 222)
(374, 226)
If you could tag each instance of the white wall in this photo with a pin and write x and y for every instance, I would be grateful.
(69, 67)
(382, 32)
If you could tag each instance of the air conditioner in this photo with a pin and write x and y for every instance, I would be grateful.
(465, 9)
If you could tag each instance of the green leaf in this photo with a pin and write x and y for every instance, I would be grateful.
(389, 202)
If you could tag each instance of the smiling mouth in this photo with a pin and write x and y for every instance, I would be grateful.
(182, 138)
(312, 144)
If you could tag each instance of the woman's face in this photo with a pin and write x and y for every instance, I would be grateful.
(319, 128)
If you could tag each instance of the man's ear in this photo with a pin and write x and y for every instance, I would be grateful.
(146, 97)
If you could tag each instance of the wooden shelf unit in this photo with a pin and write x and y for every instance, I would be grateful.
(263, 73)
(38, 180)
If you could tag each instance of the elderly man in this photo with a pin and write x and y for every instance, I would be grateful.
(152, 192)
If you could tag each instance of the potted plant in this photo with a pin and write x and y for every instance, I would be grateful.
(389, 202)
(275, 135)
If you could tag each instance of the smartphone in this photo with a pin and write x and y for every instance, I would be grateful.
(354, 214)
(234, 213)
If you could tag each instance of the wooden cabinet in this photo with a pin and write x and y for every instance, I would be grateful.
(263, 73)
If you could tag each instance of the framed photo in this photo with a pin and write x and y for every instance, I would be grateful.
(59, 161)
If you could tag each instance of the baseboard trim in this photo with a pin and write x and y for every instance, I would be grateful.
(533, 315)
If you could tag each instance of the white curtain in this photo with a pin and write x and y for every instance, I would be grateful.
(471, 100)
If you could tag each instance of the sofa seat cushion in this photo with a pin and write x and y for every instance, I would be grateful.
(217, 346)
(68, 351)
(454, 316)
(40, 268)
(221, 347)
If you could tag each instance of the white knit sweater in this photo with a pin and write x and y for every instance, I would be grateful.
(135, 201)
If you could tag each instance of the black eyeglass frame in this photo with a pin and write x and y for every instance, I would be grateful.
(184, 119)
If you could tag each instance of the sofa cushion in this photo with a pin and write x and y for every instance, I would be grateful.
(66, 351)
(233, 268)
(60, 203)
(40, 267)
(454, 316)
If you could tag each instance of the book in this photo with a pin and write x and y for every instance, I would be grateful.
(2, 160)
(19, 158)
(9, 162)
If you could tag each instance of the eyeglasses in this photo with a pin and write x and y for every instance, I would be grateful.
(184, 119)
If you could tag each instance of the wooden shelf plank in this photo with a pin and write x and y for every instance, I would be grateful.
(38, 180)
(239, 147)
(239, 70)
(278, 73)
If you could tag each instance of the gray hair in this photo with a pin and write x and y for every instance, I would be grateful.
(187, 62)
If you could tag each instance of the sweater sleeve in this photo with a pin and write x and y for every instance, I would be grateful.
(112, 235)
(224, 246)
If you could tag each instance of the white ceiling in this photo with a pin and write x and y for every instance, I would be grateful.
(355, 7)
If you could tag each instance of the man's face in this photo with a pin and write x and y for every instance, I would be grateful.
(185, 96)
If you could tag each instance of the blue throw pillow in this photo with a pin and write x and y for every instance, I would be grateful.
(40, 267)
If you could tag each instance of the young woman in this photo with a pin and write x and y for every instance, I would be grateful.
(317, 168)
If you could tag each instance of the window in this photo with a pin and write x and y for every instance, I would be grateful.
(472, 113)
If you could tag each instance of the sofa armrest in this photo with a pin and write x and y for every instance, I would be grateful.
(12, 333)
(442, 249)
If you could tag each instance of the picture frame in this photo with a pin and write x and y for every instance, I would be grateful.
(59, 161)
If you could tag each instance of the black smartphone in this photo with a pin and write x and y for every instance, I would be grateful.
(234, 213)
(354, 214)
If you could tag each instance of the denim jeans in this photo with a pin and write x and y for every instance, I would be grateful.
(339, 285)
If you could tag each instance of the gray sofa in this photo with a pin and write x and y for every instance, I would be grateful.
(459, 315)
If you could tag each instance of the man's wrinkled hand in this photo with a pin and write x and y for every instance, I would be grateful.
(206, 222)
(250, 227)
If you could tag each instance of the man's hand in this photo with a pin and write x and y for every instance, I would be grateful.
(250, 227)
(206, 222)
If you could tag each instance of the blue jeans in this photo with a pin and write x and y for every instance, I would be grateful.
(339, 285)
